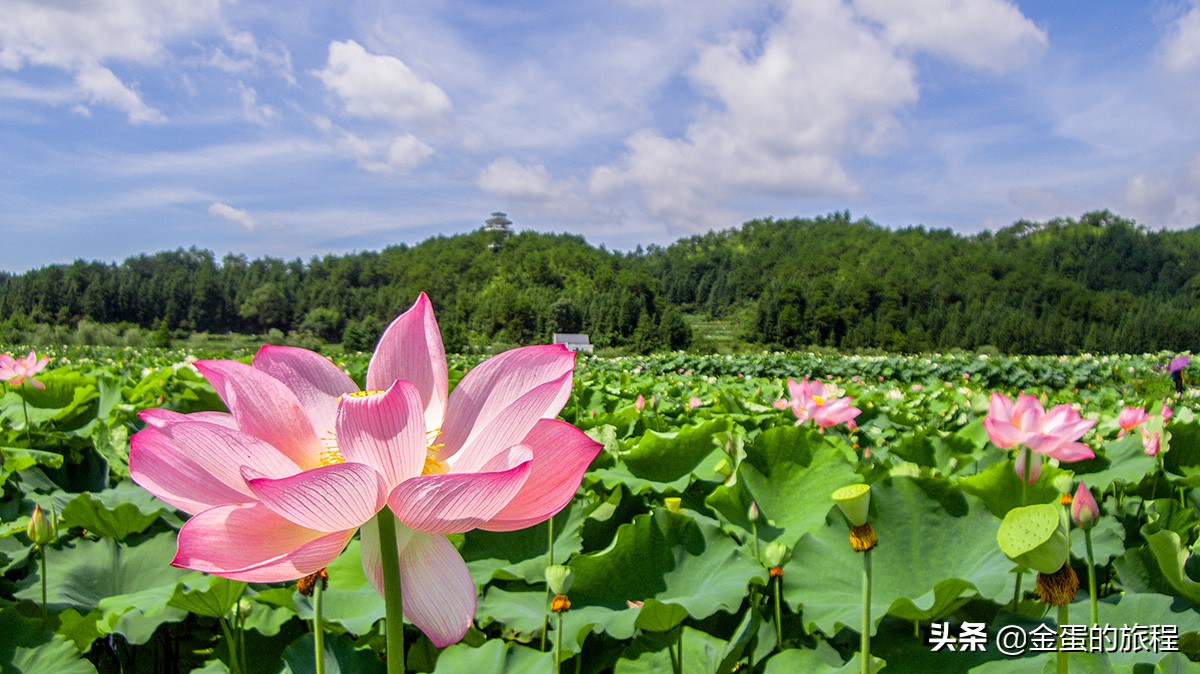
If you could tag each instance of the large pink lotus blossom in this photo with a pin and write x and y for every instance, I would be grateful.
(280, 484)
(1130, 418)
(16, 371)
(1025, 421)
(816, 401)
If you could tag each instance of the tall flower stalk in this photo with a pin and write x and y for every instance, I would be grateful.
(855, 501)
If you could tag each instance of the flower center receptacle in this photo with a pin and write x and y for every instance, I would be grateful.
(818, 400)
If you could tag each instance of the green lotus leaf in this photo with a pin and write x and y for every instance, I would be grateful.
(1122, 461)
(670, 456)
(521, 554)
(340, 657)
(936, 549)
(495, 657)
(212, 596)
(658, 616)
(114, 513)
(132, 585)
(26, 647)
(1000, 489)
(682, 559)
(702, 654)
(789, 471)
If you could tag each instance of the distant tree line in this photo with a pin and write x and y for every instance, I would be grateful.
(1100, 284)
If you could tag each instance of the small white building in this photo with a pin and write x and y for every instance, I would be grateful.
(573, 341)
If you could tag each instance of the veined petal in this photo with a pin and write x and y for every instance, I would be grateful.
(506, 428)
(496, 384)
(253, 544)
(164, 470)
(457, 502)
(222, 452)
(411, 350)
(265, 408)
(315, 380)
(385, 431)
(329, 498)
(439, 595)
(1068, 452)
(158, 418)
(561, 455)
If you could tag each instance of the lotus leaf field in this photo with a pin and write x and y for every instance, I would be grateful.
(702, 539)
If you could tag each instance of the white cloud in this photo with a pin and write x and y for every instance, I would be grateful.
(1156, 200)
(380, 86)
(1181, 47)
(510, 179)
(235, 215)
(989, 34)
(101, 86)
(383, 154)
(781, 125)
(254, 111)
(84, 37)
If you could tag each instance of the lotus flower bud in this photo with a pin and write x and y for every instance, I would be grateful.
(1034, 536)
(1084, 510)
(753, 512)
(854, 501)
(1035, 469)
(559, 578)
(42, 529)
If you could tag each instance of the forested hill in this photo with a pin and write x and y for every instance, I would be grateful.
(1099, 284)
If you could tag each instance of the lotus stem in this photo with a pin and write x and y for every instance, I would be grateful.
(235, 662)
(25, 409)
(318, 629)
(1016, 602)
(1091, 571)
(45, 612)
(1063, 619)
(394, 608)
(865, 643)
(558, 643)
(549, 562)
(754, 530)
(779, 612)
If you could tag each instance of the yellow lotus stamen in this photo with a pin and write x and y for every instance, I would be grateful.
(1058, 588)
(818, 400)
(560, 603)
(364, 394)
(307, 584)
(432, 465)
(863, 538)
(331, 455)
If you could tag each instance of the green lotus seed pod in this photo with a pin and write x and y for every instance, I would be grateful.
(854, 502)
(559, 578)
(776, 554)
(1034, 536)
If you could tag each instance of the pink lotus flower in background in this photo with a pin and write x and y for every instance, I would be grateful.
(1150, 441)
(780, 404)
(1166, 413)
(16, 371)
(639, 403)
(1084, 511)
(1025, 421)
(694, 402)
(1130, 418)
(814, 400)
(280, 484)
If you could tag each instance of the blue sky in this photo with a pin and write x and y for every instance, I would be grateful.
(301, 129)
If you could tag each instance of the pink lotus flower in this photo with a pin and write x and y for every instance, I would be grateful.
(1084, 510)
(1130, 418)
(16, 371)
(694, 402)
(1025, 421)
(814, 400)
(1150, 441)
(639, 403)
(1166, 413)
(280, 484)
